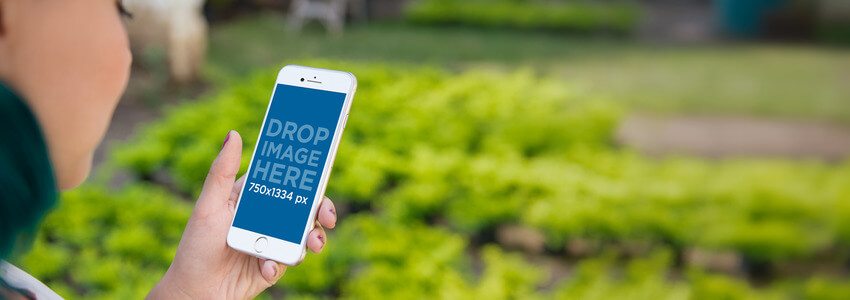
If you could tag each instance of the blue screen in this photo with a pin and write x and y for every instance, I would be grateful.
(288, 161)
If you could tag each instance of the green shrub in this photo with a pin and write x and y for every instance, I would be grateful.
(572, 16)
(431, 163)
(104, 243)
(649, 278)
(423, 143)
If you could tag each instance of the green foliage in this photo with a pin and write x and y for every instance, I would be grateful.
(649, 278)
(642, 279)
(766, 210)
(110, 244)
(837, 34)
(507, 276)
(573, 16)
(431, 163)
(396, 260)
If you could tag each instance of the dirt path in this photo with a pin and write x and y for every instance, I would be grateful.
(716, 137)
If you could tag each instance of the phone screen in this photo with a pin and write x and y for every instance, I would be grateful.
(290, 156)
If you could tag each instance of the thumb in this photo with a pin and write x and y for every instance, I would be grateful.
(222, 173)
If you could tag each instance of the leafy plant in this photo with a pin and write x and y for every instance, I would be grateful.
(430, 165)
(571, 16)
(103, 243)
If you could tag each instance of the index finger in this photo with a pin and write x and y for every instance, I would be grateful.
(235, 191)
(237, 187)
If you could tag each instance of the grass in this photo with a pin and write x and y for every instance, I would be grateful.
(798, 82)
(243, 45)
(772, 81)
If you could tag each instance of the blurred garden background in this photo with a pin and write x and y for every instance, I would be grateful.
(498, 149)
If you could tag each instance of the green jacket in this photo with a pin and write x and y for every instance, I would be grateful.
(27, 186)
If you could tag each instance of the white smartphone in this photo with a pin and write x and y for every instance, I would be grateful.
(291, 163)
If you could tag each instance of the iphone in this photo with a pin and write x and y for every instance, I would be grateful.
(291, 163)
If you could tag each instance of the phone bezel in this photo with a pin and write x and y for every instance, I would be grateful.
(314, 78)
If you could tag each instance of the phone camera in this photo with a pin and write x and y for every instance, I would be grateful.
(302, 79)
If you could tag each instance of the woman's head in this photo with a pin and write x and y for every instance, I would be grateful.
(70, 60)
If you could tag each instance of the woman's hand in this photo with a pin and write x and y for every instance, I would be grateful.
(204, 266)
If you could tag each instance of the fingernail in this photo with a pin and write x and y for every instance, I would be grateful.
(333, 212)
(322, 245)
(225, 140)
(274, 268)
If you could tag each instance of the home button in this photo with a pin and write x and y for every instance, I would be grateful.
(261, 244)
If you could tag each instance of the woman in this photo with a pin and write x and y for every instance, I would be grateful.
(63, 67)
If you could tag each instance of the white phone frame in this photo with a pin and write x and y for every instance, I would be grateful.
(307, 77)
